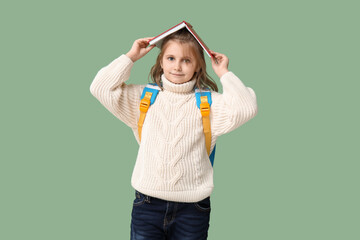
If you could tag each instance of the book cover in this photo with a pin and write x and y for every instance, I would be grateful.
(158, 39)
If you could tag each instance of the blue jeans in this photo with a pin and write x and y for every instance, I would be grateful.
(157, 219)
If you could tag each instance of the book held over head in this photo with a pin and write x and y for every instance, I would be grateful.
(158, 39)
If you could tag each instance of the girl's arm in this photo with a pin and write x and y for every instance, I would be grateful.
(110, 89)
(236, 105)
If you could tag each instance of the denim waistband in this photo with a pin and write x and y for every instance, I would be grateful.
(149, 198)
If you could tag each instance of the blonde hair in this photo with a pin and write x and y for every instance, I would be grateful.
(183, 36)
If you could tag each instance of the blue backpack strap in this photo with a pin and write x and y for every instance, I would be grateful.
(154, 89)
(212, 156)
(198, 94)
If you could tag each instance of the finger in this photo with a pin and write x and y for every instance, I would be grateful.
(215, 53)
(212, 55)
(214, 60)
(143, 40)
(144, 43)
(147, 39)
(149, 48)
(219, 55)
(218, 58)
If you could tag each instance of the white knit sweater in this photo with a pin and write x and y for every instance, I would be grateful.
(172, 162)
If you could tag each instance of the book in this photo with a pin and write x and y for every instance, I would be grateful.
(158, 39)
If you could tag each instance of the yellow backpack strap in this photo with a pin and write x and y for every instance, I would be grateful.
(203, 102)
(144, 106)
(147, 99)
(205, 113)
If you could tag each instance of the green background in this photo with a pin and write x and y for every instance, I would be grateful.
(291, 173)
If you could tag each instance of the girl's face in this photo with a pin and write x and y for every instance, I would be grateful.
(178, 62)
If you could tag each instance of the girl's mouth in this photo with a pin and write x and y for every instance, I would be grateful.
(179, 75)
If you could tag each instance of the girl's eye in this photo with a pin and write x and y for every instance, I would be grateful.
(170, 58)
(187, 60)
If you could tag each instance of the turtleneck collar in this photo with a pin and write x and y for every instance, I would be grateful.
(178, 88)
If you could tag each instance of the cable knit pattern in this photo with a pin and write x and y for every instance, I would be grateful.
(172, 162)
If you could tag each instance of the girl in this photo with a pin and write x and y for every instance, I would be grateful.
(173, 177)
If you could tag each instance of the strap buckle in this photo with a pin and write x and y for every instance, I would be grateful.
(145, 102)
(204, 106)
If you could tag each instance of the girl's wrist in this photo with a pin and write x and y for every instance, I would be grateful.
(131, 57)
(221, 73)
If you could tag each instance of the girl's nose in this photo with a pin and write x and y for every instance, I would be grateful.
(177, 66)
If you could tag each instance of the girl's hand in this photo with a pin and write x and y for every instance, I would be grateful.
(139, 49)
(219, 63)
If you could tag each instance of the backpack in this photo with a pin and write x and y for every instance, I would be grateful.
(203, 102)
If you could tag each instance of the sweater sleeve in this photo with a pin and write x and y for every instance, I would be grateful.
(234, 107)
(120, 99)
